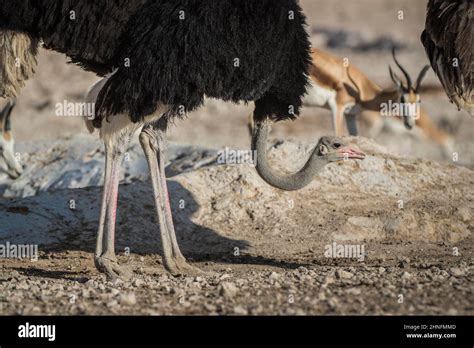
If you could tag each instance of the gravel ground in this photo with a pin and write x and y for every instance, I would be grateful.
(394, 285)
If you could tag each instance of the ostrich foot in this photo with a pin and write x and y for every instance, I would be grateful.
(111, 268)
(179, 267)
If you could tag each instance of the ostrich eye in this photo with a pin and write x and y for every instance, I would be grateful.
(337, 145)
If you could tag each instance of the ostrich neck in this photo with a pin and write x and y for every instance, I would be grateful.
(291, 182)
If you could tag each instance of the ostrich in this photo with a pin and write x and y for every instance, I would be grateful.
(159, 59)
(13, 167)
(448, 38)
(17, 62)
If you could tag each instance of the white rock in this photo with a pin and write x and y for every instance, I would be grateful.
(228, 289)
(341, 274)
(128, 299)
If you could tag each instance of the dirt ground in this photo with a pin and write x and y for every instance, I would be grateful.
(262, 251)
(257, 257)
(400, 279)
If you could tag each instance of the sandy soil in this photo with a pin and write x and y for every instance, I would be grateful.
(263, 251)
(419, 261)
(406, 281)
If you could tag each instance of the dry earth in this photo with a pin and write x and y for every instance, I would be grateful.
(262, 251)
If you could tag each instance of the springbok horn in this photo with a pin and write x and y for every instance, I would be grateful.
(407, 76)
(394, 77)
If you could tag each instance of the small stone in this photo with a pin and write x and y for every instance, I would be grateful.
(227, 289)
(23, 285)
(341, 274)
(128, 299)
(302, 269)
(329, 280)
(239, 310)
(256, 309)
(300, 312)
(225, 276)
(453, 311)
(112, 304)
(464, 214)
(456, 272)
(210, 307)
(177, 291)
(138, 282)
(274, 276)
(90, 283)
(116, 282)
(406, 275)
(333, 302)
(34, 289)
(194, 299)
(354, 291)
(86, 293)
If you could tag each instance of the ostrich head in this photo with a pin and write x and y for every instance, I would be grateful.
(333, 149)
(409, 93)
(329, 149)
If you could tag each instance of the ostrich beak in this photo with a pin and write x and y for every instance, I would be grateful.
(350, 152)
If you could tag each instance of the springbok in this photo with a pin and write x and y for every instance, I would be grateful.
(325, 70)
(375, 123)
(347, 91)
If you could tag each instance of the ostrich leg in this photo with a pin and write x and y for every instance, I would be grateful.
(103, 209)
(152, 140)
(105, 259)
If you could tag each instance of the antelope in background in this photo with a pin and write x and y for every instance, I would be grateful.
(346, 91)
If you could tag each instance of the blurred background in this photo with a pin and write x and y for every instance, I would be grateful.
(362, 30)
